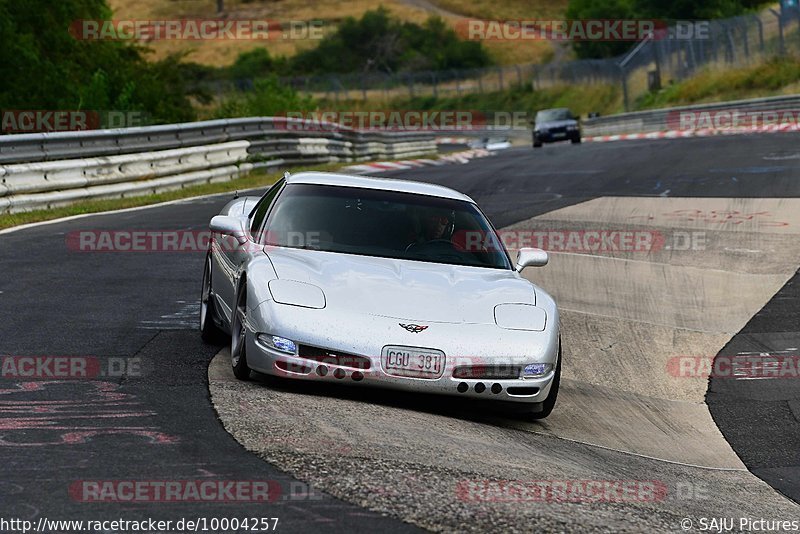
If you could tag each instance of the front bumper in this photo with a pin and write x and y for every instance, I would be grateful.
(271, 362)
(556, 136)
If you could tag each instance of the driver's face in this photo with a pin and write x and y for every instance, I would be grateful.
(435, 225)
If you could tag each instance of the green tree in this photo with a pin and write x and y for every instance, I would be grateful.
(45, 65)
(378, 42)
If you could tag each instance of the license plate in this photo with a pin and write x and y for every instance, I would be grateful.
(560, 134)
(412, 362)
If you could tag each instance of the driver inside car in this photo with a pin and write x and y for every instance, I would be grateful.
(435, 224)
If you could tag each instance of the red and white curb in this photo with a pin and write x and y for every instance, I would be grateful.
(706, 132)
(382, 166)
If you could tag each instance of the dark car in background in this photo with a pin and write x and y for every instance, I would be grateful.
(552, 125)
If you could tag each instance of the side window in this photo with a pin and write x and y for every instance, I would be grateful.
(262, 208)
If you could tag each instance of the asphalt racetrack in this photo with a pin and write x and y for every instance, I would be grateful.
(716, 282)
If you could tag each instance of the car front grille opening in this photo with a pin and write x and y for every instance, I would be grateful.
(488, 372)
(334, 357)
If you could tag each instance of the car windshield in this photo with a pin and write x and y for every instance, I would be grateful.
(549, 115)
(387, 224)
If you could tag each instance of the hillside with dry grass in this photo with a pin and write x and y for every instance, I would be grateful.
(331, 13)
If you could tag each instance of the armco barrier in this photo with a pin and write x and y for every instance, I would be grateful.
(657, 120)
(53, 169)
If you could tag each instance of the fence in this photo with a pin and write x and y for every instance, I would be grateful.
(650, 64)
(40, 171)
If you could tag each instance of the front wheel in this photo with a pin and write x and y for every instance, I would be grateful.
(239, 336)
(209, 331)
(576, 140)
(549, 403)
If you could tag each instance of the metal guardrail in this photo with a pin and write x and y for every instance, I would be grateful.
(659, 120)
(52, 169)
(257, 130)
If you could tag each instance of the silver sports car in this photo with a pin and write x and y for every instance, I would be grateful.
(381, 282)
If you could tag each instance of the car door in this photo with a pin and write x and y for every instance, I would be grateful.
(232, 256)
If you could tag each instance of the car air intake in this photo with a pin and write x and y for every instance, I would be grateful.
(488, 372)
(334, 357)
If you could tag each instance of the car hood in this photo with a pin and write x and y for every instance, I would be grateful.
(403, 289)
(555, 124)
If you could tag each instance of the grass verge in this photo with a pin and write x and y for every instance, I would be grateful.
(776, 76)
(605, 99)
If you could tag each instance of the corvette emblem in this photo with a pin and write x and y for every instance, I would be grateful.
(414, 328)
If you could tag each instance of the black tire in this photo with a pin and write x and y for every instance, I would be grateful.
(537, 144)
(549, 403)
(209, 331)
(239, 335)
(576, 140)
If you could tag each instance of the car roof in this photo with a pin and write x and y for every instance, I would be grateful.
(371, 182)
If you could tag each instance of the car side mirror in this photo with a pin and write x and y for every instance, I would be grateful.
(531, 257)
(225, 224)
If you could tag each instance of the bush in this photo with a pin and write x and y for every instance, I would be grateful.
(267, 98)
(379, 42)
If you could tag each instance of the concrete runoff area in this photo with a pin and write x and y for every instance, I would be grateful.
(627, 409)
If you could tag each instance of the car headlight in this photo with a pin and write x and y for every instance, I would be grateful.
(281, 344)
(572, 127)
(536, 370)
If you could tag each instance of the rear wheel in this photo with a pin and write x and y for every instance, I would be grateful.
(576, 140)
(239, 336)
(209, 331)
(549, 403)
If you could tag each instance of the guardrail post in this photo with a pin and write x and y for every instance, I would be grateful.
(731, 45)
(657, 59)
(745, 41)
(624, 79)
(781, 46)
(797, 14)
(701, 52)
(714, 47)
(760, 32)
